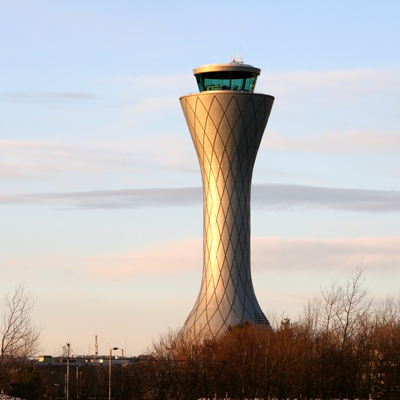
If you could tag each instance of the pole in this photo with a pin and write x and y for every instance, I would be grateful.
(122, 372)
(77, 382)
(67, 391)
(109, 376)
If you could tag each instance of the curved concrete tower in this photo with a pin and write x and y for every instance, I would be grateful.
(226, 121)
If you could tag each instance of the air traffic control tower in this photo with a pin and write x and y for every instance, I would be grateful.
(226, 121)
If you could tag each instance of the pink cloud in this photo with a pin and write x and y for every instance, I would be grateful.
(300, 255)
(157, 259)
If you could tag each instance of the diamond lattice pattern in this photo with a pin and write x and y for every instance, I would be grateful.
(226, 129)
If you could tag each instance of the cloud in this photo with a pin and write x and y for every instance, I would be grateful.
(286, 197)
(40, 159)
(48, 97)
(158, 259)
(278, 197)
(112, 199)
(351, 141)
(153, 259)
(329, 86)
(43, 159)
(377, 254)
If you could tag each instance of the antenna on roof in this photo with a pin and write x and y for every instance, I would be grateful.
(233, 59)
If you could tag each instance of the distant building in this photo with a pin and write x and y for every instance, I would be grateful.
(46, 359)
(85, 360)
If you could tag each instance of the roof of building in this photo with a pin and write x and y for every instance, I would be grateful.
(232, 66)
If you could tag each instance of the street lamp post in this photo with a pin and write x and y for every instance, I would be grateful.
(109, 369)
(109, 376)
(67, 390)
(122, 366)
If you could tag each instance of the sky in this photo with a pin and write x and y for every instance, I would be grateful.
(100, 187)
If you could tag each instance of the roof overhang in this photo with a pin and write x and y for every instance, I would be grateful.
(226, 67)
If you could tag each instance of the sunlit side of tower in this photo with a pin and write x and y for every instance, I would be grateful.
(226, 121)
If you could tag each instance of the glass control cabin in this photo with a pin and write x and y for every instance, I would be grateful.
(232, 76)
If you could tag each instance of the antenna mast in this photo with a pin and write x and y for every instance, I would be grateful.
(96, 347)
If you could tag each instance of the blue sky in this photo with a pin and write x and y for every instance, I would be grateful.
(100, 189)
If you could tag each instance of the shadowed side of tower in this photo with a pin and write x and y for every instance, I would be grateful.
(226, 121)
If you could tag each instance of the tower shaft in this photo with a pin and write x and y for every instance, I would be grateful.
(226, 127)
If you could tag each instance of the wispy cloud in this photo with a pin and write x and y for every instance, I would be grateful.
(286, 197)
(378, 254)
(268, 196)
(157, 259)
(154, 259)
(112, 199)
(329, 86)
(42, 159)
(345, 142)
(47, 97)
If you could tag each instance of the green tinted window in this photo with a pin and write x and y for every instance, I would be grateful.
(200, 83)
(227, 80)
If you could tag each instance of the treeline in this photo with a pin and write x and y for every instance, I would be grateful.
(343, 346)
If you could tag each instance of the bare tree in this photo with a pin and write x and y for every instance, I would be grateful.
(20, 338)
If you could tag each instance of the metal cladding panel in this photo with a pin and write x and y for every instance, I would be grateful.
(226, 129)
